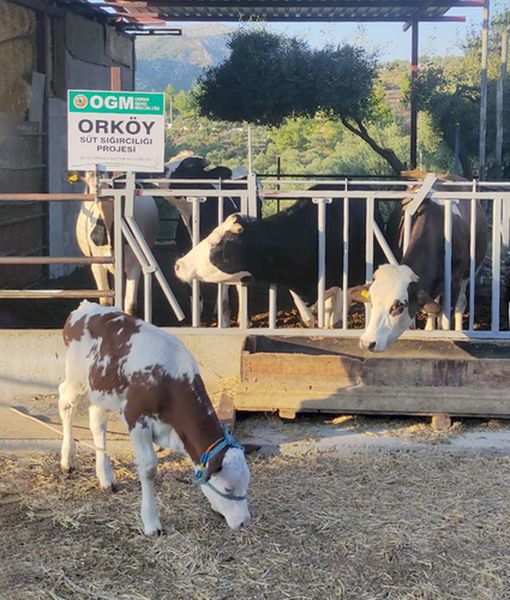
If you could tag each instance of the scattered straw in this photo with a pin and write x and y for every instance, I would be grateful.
(392, 526)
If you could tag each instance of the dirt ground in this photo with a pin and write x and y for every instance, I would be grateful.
(431, 524)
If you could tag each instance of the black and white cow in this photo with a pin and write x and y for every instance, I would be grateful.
(283, 249)
(399, 291)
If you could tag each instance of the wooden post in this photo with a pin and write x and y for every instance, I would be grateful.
(115, 79)
(499, 102)
(483, 92)
(414, 110)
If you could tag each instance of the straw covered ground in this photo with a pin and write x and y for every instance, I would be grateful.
(403, 525)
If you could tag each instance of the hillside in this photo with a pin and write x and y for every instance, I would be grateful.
(179, 60)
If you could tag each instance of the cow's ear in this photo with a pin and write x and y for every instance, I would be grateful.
(236, 226)
(215, 465)
(359, 293)
(428, 304)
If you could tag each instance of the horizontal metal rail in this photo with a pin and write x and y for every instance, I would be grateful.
(49, 198)
(56, 260)
(40, 294)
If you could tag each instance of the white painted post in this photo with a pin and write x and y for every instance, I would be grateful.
(496, 263)
(321, 272)
(219, 300)
(118, 252)
(195, 238)
(272, 306)
(345, 257)
(369, 248)
(472, 259)
(447, 299)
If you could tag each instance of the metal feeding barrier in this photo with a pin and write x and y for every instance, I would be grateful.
(496, 195)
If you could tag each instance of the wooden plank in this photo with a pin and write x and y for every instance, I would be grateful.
(424, 401)
(43, 294)
(50, 197)
(56, 260)
(421, 194)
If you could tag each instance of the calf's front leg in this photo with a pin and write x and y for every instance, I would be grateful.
(69, 396)
(147, 464)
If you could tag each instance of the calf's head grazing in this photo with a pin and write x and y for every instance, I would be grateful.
(220, 258)
(394, 298)
(225, 483)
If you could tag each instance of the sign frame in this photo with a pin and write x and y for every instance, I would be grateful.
(117, 131)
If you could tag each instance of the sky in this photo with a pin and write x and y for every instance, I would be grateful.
(388, 38)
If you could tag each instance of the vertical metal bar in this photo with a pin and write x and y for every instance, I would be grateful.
(369, 248)
(219, 301)
(147, 285)
(345, 259)
(414, 109)
(499, 103)
(278, 173)
(272, 306)
(472, 259)
(117, 251)
(252, 195)
(195, 286)
(321, 254)
(369, 254)
(447, 300)
(496, 263)
(250, 153)
(244, 308)
(483, 90)
(407, 229)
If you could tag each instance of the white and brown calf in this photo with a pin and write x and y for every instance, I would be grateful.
(94, 228)
(124, 364)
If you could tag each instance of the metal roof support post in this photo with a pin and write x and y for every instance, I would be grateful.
(414, 110)
(499, 102)
(483, 92)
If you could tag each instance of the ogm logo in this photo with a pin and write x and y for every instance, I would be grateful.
(80, 101)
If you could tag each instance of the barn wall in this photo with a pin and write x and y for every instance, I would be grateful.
(17, 58)
(22, 226)
(88, 50)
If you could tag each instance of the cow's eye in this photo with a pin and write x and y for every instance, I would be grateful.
(397, 308)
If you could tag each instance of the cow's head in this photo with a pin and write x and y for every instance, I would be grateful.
(228, 484)
(394, 297)
(220, 258)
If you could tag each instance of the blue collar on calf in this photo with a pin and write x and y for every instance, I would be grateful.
(224, 443)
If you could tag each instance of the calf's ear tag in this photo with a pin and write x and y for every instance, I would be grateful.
(364, 294)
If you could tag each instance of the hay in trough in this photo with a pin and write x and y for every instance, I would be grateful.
(401, 526)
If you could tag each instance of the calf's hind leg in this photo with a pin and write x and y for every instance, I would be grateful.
(97, 419)
(69, 396)
(147, 463)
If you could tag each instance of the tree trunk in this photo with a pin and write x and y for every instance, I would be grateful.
(389, 156)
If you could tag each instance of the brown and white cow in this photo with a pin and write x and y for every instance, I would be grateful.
(94, 230)
(127, 365)
(399, 291)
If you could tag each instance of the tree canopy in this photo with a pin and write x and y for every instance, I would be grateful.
(269, 77)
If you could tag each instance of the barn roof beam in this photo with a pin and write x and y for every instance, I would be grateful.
(315, 4)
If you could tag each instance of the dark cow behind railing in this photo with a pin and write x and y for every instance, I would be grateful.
(283, 250)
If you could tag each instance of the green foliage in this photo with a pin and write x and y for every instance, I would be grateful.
(448, 90)
(269, 77)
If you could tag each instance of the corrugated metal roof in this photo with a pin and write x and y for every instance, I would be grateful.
(158, 15)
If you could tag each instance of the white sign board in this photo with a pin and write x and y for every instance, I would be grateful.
(121, 131)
